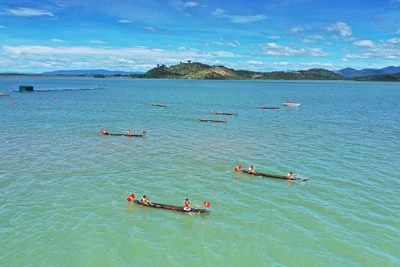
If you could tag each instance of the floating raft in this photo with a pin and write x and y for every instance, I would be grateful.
(225, 113)
(159, 105)
(170, 207)
(276, 176)
(203, 120)
(273, 107)
(121, 134)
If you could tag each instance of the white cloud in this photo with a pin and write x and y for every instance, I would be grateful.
(364, 43)
(359, 56)
(96, 42)
(28, 12)
(297, 30)
(317, 64)
(273, 49)
(345, 59)
(220, 54)
(394, 40)
(280, 63)
(2, 27)
(223, 42)
(254, 62)
(151, 29)
(274, 37)
(57, 40)
(124, 21)
(313, 39)
(220, 13)
(191, 4)
(341, 27)
(273, 45)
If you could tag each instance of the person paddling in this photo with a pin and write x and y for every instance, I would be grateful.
(186, 205)
(289, 176)
(251, 170)
(129, 132)
(144, 200)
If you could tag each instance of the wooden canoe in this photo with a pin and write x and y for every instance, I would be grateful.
(268, 175)
(171, 207)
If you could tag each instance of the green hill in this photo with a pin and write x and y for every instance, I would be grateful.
(201, 71)
(380, 78)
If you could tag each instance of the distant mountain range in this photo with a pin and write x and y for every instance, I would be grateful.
(196, 70)
(90, 72)
(353, 73)
(345, 73)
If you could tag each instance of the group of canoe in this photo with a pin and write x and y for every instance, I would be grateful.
(185, 208)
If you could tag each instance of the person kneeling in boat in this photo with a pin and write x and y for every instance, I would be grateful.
(186, 205)
(289, 176)
(251, 170)
(144, 200)
(129, 132)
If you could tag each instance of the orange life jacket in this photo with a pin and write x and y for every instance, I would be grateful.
(186, 205)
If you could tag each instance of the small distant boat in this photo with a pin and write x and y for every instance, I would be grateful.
(273, 107)
(225, 113)
(159, 105)
(268, 175)
(205, 120)
(4, 94)
(26, 88)
(171, 207)
(288, 103)
(123, 134)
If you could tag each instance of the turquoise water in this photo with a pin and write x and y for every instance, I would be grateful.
(64, 185)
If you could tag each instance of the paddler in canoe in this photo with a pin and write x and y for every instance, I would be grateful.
(145, 201)
(289, 176)
(186, 205)
(251, 170)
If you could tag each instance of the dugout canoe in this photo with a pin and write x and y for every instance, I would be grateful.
(268, 175)
(121, 134)
(159, 105)
(170, 207)
(274, 107)
(224, 113)
(203, 120)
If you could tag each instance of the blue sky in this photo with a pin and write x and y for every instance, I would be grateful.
(136, 35)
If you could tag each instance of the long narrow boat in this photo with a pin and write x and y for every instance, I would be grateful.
(171, 207)
(121, 134)
(273, 107)
(291, 104)
(268, 175)
(204, 120)
(159, 105)
(225, 113)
